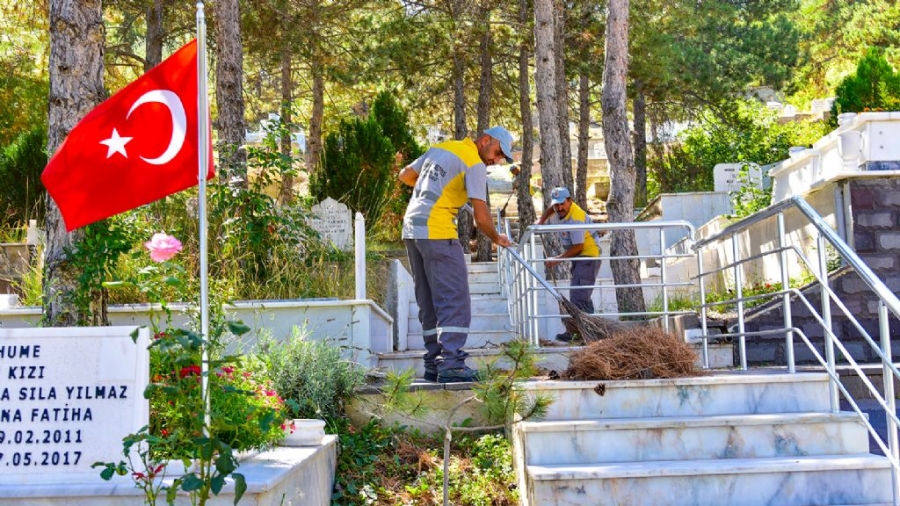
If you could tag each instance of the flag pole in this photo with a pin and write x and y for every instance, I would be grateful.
(203, 162)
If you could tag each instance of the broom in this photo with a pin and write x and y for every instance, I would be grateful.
(590, 327)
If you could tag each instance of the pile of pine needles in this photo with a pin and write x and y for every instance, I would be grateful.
(633, 352)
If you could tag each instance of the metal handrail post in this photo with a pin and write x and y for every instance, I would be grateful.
(703, 327)
(885, 334)
(739, 294)
(826, 317)
(786, 298)
(662, 278)
(533, 295)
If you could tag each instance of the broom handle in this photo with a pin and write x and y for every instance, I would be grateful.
(534, 273)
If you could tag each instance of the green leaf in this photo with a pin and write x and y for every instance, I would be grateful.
(106, 473)
(225, 464)
(238, 328)
(191, 483)
(240, 486)
(172, 491)
(216, 484)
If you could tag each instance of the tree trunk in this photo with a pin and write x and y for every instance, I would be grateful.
(524, 203)
(314, 140)
(460, 131)
(547, 104)
(562, 92)
(76, 87)
(155, 34)
(483, 251)
(620, 204)
(584, 128)
(639, 105)
(229, 87)
(548, 112)
(465, 221)
(286, 194)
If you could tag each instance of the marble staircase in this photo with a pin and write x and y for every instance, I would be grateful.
(736, 438)
(489, 330)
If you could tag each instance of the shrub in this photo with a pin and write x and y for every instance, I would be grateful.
(22, 192)
(356, 168)
(743, 132)
(246, 411)
(874, 86)
(312, 374)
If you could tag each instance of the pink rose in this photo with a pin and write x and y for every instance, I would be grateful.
(162, 247)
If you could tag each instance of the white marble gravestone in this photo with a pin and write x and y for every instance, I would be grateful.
(67, 398)
(725, 176)
(334, 223)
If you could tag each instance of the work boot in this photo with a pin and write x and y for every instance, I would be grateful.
(565, 337)
(458, 375)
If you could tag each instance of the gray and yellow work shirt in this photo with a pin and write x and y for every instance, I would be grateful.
(590, 239)
(450, 174)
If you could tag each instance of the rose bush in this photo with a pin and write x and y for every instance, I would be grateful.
(245, 412)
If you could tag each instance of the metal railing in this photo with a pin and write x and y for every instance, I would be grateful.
(888, 308)
(529, 302)
(524, 287)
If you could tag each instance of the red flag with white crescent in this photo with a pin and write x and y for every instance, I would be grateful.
(138, 146)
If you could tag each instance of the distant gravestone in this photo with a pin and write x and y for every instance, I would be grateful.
(725, 176)
(334, 222)
(67, 398)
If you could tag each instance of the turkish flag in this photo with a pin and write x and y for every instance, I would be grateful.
(138, 146)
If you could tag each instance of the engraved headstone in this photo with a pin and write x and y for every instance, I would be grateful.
(334, 223)
(726, 176)
(67, 398)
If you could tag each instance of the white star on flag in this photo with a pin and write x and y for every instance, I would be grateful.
(116, 144)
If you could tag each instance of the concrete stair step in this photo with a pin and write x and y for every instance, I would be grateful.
(554, 358)
(691, 438)
(549, 358)
(721, 393)
(477, 339)
(795, 481)
(481, 321)
(484, 303)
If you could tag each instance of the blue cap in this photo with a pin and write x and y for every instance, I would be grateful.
(505, 138)
(558, 195)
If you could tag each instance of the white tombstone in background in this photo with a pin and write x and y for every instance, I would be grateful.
(67, 398)
(726, 176)
(334, 222)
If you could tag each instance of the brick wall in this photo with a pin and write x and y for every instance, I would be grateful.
(875, 210)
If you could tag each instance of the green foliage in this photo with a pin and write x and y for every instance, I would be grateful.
(750, 198)
(21, 164)
(743, 132)
(23, 96)
(676, 303)
(312, 375)
(390, 466)
(751, 290)
(356, 168)
(246, 412)
(874, 86)
(95, 256)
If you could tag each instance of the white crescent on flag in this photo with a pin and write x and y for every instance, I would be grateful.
(179, 122)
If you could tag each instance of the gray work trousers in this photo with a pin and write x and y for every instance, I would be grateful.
(442, 292)
(584, 273)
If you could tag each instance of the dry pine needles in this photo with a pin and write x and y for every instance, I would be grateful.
(634, 352)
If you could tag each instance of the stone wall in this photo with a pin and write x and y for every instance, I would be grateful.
(875, 210)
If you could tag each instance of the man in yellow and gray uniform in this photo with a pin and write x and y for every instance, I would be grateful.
(444, 179)
(582, 245)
